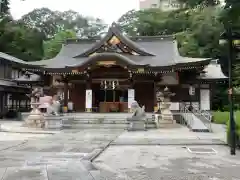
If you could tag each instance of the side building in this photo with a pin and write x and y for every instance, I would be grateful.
(106, 75)
(164, 5)
(13, 97)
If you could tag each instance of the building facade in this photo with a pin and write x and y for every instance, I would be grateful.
(107, 75)
(13, 97)
(164, 5)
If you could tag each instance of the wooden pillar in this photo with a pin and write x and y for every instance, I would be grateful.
(155, 98)
(65, 102)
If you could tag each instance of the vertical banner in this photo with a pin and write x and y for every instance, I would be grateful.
(205, 99)
(88, 100)
(131, 97)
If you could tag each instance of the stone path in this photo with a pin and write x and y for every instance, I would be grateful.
(168, 163)
(68, 156)
(175, 136)
(61, 156)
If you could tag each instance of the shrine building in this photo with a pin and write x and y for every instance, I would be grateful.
(108, 74)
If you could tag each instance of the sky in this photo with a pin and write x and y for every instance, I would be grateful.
(108, 10)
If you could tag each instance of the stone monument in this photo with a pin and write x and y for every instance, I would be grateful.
(137, 121)
(165, 116)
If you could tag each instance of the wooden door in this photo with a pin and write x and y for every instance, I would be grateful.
(144, 95)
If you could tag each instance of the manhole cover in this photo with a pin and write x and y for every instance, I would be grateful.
(199, 150)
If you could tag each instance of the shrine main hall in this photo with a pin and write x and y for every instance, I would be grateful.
(108, 74)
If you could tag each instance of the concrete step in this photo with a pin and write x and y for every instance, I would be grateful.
(99, 119)
(107, 121)
(107, 126)
(100, 122)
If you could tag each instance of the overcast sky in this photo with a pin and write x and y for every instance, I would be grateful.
(108, 10)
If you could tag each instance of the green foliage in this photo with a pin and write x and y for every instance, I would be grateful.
(194, 3)
(18, 40)
(4, 7)
(197, 30)
(40, 33)
(51, 22)
(223, 118)
(53, 46)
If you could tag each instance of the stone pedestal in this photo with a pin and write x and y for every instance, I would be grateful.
(67, 122)
(35, 119)
(165, 111)
(53, 122)
(136, 124)
(165, 123)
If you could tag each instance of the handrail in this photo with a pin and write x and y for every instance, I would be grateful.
(184, 109)
(203, 115)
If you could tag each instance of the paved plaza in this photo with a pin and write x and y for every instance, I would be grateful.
(116, 154)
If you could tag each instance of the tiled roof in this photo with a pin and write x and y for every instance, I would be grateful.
(213, 71)
(156, 51)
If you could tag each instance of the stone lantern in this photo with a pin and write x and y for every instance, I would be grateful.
(164, 104)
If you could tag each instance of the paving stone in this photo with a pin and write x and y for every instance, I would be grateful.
(26, 173)
(67, 155)
(73, 171)
(2, 172)
(170, 162)
(167, 142)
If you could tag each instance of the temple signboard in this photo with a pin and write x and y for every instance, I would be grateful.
(106, 63)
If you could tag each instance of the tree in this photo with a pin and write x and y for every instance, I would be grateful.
(195, 3)
(42, 19)
(51, 22)
(53, 46)
(94, 28)
(197, 31)
(18, 40)
(191, 26)
(4, 7)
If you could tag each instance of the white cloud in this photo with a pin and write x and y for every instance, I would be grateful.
(108, 10)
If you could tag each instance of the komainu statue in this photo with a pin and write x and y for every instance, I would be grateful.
(137, 121)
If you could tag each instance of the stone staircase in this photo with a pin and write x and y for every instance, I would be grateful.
(105, 120)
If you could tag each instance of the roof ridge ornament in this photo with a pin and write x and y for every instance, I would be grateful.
(115, 31)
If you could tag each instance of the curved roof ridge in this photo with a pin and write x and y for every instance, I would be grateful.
(133, 38)
(113, 30)
(81, 40)
(179, 59)
(128, 41)
(152, 38)
(104, 55)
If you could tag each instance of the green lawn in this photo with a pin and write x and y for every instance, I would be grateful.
(223, 117)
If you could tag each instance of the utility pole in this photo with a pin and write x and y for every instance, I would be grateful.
(229, 35)
(1, 1)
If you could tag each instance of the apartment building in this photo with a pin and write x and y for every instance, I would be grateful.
(165, 5)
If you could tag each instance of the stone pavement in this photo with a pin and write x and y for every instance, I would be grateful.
(17, 127)
(169, 163)
(73, 155)
(173, 136)
(62, 156)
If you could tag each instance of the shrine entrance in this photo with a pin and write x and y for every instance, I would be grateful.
(110, 89)
(110, 99)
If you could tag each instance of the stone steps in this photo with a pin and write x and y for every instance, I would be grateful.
(107, 126)
(108, 121)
